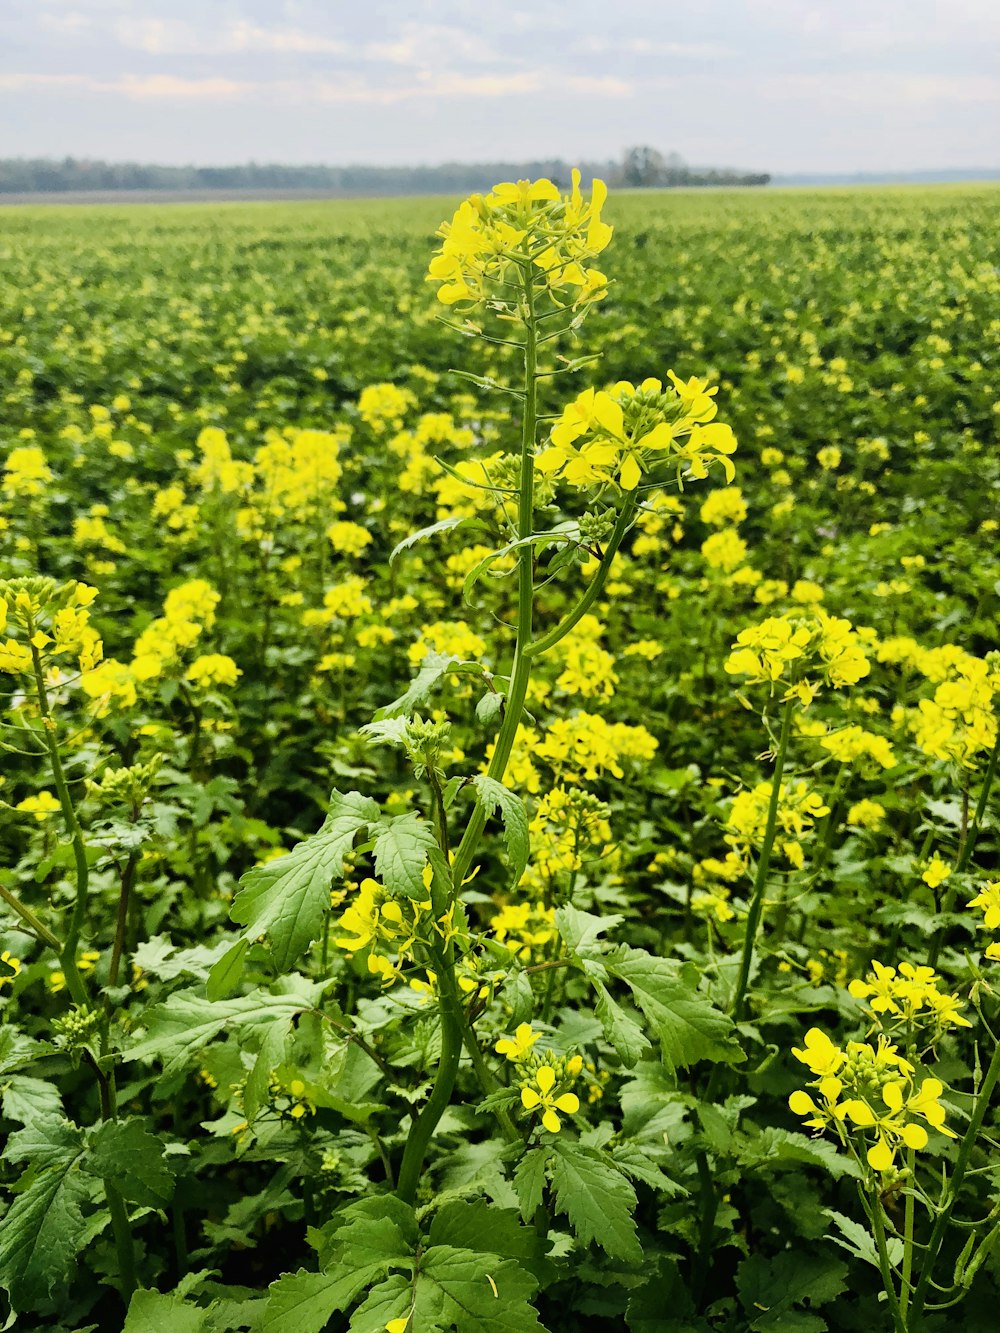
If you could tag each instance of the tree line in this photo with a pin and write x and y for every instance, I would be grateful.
(638, 168)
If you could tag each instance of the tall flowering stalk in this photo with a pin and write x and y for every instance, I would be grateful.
(523, 257)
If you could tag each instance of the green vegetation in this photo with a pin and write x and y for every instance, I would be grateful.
(480, 853)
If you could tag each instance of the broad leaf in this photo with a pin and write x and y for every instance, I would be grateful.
(401, 849)
(620, 1028)
(286, 899)
(433, 668)
(127, 1154)
(163, 1312)
(688, 1025)
(44, 1227)
(493, 795)
(597, 1199)
(178, 1030)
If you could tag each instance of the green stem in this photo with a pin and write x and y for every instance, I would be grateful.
(437, 1103)
(965, 1148)
(763, 866)
(622, 524)
(898, 1318)
(452, 1017)
(121, 924)
(910, 1206)
(965, 853)
(36, 926)
(74, 982)
(521, 668)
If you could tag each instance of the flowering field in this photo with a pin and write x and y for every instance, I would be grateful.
(499, 802)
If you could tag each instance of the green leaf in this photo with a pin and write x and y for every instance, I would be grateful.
(178, 1030)
(597, 1199)
(581, 931)
(304, 1302)
(621, 1030)
(771, 1288)
(492, 796)
(17, 1049)
(489, 707)
(128, 1155)
(433, 668)
(44, 1227)
(860, 1242)
(270, 1055)
(26, 1099)
(568, 532)
(454, 1289)
(529, 1181)
(226, 974)
(401, 849)
(478, 1226)
(159, 1312)
(442, 525)
(688, 1025)
(286, 899)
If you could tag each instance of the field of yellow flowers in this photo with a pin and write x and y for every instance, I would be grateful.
(500, 817)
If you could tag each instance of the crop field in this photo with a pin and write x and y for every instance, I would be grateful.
(499, 814)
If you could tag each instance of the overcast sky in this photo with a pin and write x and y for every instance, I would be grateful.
(774, 85)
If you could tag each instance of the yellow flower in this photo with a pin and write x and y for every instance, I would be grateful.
(41, 806)
(936, 873)
(540, 1097)
(13, 963)
(988, 901)
(820, 1054)
(517, 1047)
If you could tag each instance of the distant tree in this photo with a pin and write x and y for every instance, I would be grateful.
(642, 167)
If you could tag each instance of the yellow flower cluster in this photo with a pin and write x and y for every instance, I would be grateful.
(187, 610)
(613, 437)
(523, 227)
(26, 472)
(586, 746)
(217, 468)
(49, 621)
(855, 745)
(987, 901)
(868, 1088)
(798, 809)
(588, 668)
(384, 407)
(452, 636)
(527, 929)
(782, 649)
(909, 998)
(388, 928)
(542, 1076)
(960, 721)
(213, 669)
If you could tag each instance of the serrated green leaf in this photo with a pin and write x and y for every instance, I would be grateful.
(771, 1288)
(581, 931)
(860, 1242)
(529, 1181)
(620, 1028)
(304, 1302)
(286, 899)
(178, 1030)
(127, 1154)
(270, 1055)
(442, 525)
(401, 850)
(688, 1025)
(163, 1312)
(42, 1233)
(433, 668)
(226, 974)
(27, 1099)
(18, 1050)
(566, 532)
(493, 796)
(597, 1199)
